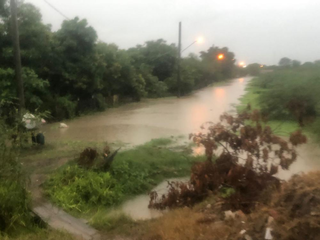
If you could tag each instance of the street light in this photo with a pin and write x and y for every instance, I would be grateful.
(220, 56)
(199, 40)
(242, 64)
(179, 58)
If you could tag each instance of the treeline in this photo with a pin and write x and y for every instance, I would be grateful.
(255, 69)
(69, 71)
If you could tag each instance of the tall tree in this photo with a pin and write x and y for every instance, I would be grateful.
(285, 62)
(74, 66)
(295, 63)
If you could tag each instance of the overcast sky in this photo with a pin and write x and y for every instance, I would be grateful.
(255, 30)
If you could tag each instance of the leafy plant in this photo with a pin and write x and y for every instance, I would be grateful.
(251, 155)
(14, 198)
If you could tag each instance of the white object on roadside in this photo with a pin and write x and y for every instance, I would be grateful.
(243, 231)
(247, 237)
(30, 121)
(229, 215)
(63, 125)
(268, 235)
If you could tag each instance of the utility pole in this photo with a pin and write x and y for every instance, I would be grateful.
(17, 57)
(179, 62)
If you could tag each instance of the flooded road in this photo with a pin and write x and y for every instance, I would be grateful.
(137, 123)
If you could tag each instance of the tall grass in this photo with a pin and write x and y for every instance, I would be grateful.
(273, 92)
(278, 89)
(14, 198)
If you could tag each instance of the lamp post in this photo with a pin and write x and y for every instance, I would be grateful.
(199, 40)
(179, 60)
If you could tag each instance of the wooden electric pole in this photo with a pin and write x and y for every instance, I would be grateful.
(17, 57)
(179, 62)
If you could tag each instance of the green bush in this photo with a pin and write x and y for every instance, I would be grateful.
(75, 188)
(14, 198)
(284, 87)
(64, 108)
(100, 102)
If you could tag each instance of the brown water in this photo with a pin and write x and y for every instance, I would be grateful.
(137, 208)
(137, 123)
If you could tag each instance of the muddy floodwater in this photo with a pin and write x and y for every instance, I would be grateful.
(137, 123)
(137, 208)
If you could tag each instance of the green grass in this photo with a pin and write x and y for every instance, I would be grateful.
(251, 96)
(41, 234)
(104, 220)
(58, 149)
(133, 172)
(281, 127)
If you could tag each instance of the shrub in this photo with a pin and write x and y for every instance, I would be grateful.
(75, 188)
(100, 102)
(64, 108)
(290, 94)
(14, 198)
(246, 165)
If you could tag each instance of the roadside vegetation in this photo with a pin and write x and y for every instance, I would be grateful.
(82, 190)
(289, 97)
(16, 219)
(70, 72)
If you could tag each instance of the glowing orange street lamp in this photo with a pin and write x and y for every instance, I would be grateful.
(220, 56)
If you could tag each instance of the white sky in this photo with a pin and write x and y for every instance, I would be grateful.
(255, 30)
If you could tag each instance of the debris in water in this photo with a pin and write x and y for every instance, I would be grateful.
(63, 125)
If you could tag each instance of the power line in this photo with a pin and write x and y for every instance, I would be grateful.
(56, 10)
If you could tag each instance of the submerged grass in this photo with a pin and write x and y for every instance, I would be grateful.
(133, 172)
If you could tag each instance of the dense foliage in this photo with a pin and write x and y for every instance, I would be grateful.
(291, 94)
(69, 71)
(14, 198)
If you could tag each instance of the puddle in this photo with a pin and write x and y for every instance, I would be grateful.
(137, 208)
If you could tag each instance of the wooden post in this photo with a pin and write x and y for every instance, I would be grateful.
(17, 57)
(179, 62)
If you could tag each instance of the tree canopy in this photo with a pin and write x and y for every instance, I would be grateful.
(69, 71)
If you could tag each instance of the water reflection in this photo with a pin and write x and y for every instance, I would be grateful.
(219, 93)
(137, 123)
